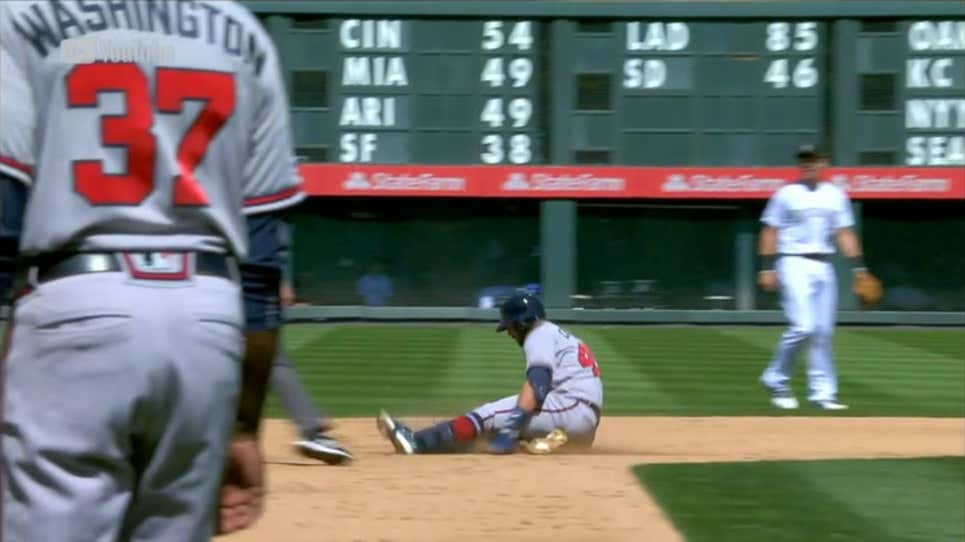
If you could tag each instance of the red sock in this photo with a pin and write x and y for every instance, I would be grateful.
(464, 429)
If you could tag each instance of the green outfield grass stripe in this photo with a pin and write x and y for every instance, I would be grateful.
(623, 383)
(370, 365)
(684, 370)
(908, 500)
(682, 364)
(949, 343)
(869, 371)
(914, 500)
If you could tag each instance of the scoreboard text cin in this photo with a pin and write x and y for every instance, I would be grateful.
(372, 61)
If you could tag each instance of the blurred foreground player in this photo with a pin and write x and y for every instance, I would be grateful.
(122, 386)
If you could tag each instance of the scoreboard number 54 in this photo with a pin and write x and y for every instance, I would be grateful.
(494, 35)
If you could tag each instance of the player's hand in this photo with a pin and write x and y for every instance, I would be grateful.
(286, 294)
(767, 280)
(243, 485)
(504, 442)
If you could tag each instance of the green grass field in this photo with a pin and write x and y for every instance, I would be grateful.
(885, 500)
(352, 370)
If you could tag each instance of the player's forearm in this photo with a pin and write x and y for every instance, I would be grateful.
(527, 398)
(260, 349)
(767, 248)
(849, 243)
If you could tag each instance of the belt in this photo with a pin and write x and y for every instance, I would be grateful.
(57, 266)
(817, 256)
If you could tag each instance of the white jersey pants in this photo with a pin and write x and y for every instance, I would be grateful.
(809, 297)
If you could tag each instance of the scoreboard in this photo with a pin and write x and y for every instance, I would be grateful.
(934, 101)
(403, 90)
(436, 91)
(496, 87)
(693, 92)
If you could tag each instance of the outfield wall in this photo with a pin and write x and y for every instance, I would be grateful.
(612, 316)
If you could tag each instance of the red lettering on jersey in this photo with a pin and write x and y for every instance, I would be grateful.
(587, 359)
(132, 130)
(217, 91)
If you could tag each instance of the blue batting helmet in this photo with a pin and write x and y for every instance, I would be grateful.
(522, 308)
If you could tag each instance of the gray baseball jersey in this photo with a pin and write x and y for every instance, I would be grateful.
(142, 125)
(575, 370)
(576, 385)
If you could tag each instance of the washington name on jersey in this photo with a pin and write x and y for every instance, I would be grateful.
(46, 25)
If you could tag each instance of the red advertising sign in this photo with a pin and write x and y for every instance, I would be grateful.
(574, 182)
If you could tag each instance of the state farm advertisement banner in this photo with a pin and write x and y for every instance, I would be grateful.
(619, 182)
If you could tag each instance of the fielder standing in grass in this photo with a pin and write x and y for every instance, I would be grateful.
(562, 391)
(800, 223)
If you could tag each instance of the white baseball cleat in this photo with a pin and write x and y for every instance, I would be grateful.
(784, 402)
(830, 404)
(401, 436)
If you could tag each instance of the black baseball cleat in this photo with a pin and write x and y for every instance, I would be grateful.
(324, 448)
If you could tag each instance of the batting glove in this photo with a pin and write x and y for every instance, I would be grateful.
(506, 441)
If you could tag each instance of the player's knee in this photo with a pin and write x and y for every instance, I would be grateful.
(821, 334)
(802, 332)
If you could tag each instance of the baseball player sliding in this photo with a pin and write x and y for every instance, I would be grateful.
(138, 151)
(800, 221)
(562, 391)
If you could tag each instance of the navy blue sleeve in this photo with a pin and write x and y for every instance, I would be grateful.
(541, 379)
(13, 201)
(269, 238)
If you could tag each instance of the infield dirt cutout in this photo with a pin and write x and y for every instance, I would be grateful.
(590, 497)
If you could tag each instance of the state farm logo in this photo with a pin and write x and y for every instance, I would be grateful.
(698, 182)
(357, 181)
(402, 182)
(584, 182)
(516, 181)
(676, 183)
(903, 183)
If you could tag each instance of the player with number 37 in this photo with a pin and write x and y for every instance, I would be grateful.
(560, 401)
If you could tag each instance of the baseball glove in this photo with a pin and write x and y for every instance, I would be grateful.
(868, 289)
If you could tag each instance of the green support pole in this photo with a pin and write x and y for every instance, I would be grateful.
(844, 99)
(560, 129)
(558, 252)
(745, 249)
(843, 149)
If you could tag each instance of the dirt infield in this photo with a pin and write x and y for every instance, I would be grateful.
(387, 497)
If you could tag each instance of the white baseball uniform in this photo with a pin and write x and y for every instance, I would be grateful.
(576, 397)
(806, 221)
(143, 130)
